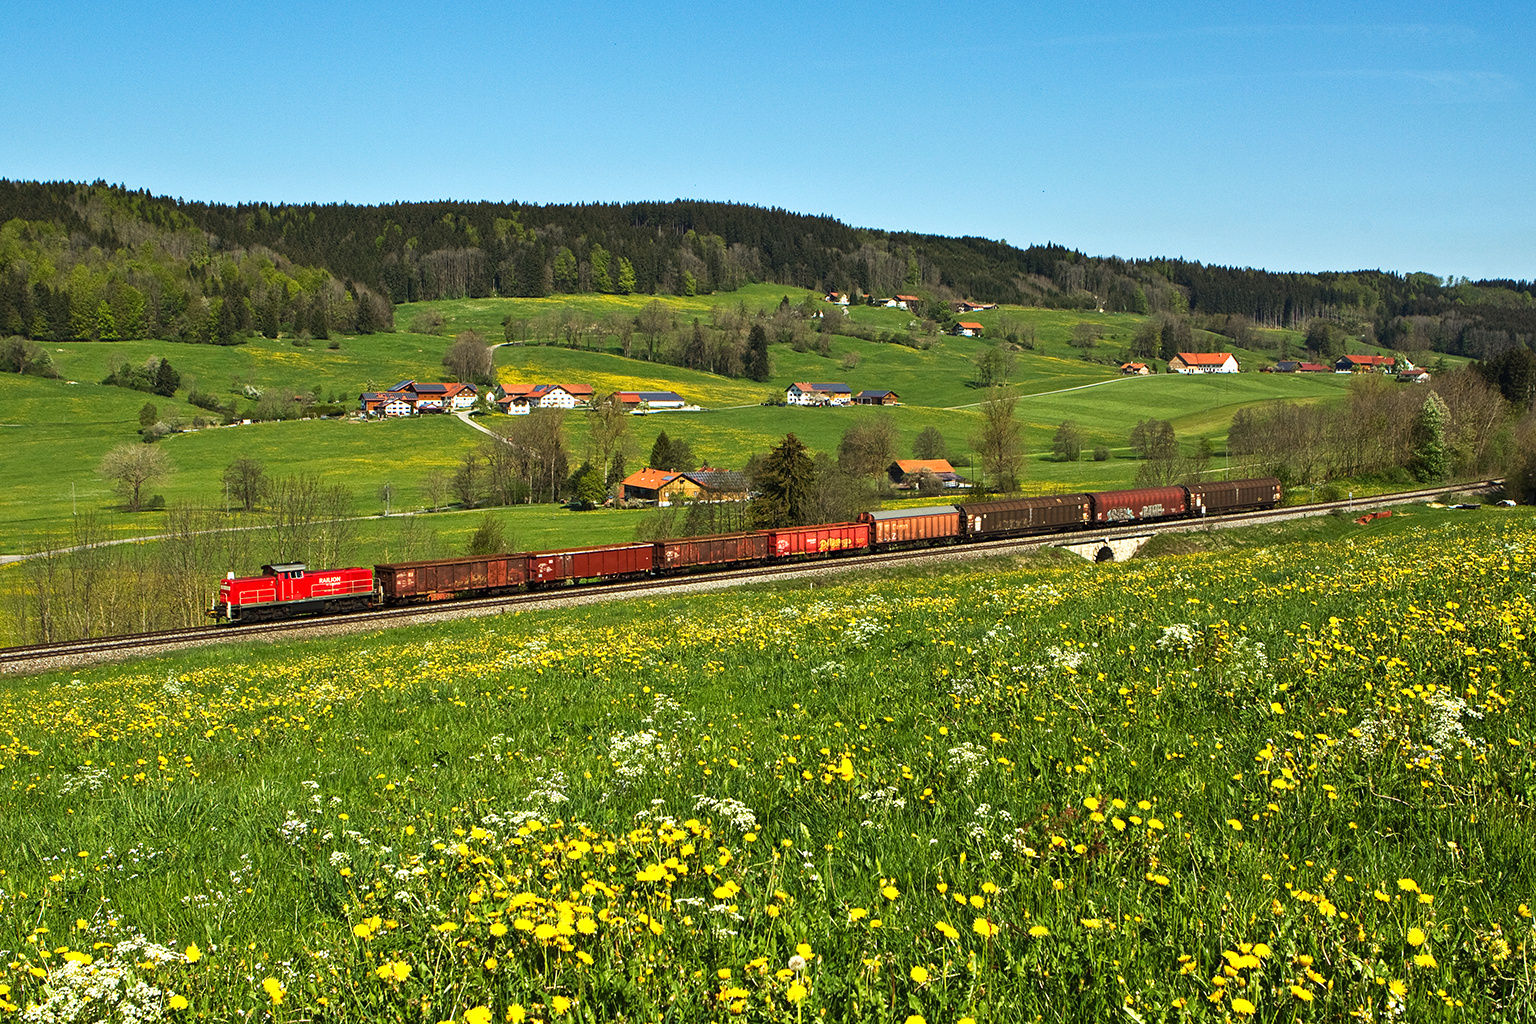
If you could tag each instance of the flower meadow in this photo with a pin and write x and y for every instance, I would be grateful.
(1287, 783)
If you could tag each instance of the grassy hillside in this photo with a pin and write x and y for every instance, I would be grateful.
(64, 427)
(1273, 784)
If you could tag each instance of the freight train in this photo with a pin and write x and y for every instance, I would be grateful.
(289, 589)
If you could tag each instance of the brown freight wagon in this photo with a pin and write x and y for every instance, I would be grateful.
(1026, 515)
(819, 540)
(687, 552)
(1135, 505)
(1233, 495)
(440, 579)
(591, 563)
(909, 525)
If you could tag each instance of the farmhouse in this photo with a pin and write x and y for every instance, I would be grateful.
(1365, 364)
(807, 393)
(666, 486)
(969, 329)
(902, 302)
(387, 403)
(1202, 362)
(650, 400)
(965, 306)
(1414, 376)
(551, 396)
(907, 471)
(1135, 369)
(876, 398)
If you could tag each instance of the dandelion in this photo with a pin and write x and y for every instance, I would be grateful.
(804, 950)
(1305, 995)
(275, 990)
(919, 975)
(560, 1004)
(478, 1015)
(947, 930)
(1407, 885)
(796, 993)
(1397, 987)
(986, 929)
(890, 892)
(394, 970)
(1039, 931)
(1416, 937)
(1243, 1006)
(193, 954)
(1425, 960)
(177, 1002)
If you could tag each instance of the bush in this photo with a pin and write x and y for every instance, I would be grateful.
(334, 345)
(1101, 454)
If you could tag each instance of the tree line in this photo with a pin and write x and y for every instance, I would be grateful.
(406, 252)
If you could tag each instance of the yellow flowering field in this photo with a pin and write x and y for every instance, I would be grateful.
(1288, 783)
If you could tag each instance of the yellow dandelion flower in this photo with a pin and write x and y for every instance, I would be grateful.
(796, 993)
(1039, 931)
(919, 975)
(947, 930)
(560, 1004)
(1407, 885)
(1243, 1006)
(1237, 826)
(1397, 987)
(274, 990)
(1305, 995)
(1092, 803)
(177, 1002)
(890, 892)
(478, 1015)
(193, 954)
(1426, 960)
(986, 929)
(1416, 937)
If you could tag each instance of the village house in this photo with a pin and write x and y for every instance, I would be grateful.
(839, 298)
(643, 401)
(1414, 376)
(387, 403)
(665, 487)
(876, 398)
(969, 329)
(966, 306)
(907, 472)
(1135, 369)
(1365, 364)
(902, 302)
(806, 393)
(551, 396)
(1203, 362)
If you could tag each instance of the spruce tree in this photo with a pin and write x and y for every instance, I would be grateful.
(167, 380)
(661, 452)
(784, 485)
(757, 353)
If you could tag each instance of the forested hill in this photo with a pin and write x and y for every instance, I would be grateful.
(409, 251)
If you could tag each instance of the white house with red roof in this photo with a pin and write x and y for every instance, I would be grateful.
(811, 393)
(1203, 362)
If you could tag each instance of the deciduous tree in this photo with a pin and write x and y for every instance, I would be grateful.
(470, 359)
(1000, 444)
(132, 466)
(245, 480)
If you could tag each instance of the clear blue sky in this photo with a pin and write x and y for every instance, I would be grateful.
(1291, 137)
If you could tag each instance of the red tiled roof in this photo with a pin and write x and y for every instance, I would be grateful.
(650, 479)
(971, 325)
(1205, 358)
(1372, 360)
(918, 465)
(909, 298)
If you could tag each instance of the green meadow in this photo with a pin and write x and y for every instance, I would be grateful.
(1276, 783)
(58, 431)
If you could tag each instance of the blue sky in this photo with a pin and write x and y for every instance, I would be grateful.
(1291, 137)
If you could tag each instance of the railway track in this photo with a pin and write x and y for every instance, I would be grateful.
(69, 654)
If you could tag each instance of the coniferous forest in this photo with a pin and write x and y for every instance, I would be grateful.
(101, 261)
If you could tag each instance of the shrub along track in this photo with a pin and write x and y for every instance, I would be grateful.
(70, 654)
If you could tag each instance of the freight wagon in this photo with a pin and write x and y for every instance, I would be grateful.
(1137, 505)
(439, 580)
(1026, 515)
(913, 525)
(683, 553)
(825, 539)
(614, 562)
(1233, 495)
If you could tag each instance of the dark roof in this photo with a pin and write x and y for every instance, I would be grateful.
(403, 385)
(284, 567)
(834, 388)
(429, 389)
(875, 394)
(726, 480)
(658, 396)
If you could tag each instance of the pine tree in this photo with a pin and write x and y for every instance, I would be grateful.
(785, 485)
(757, 366)
(167, 380)
(661, 452)
(319, 322)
